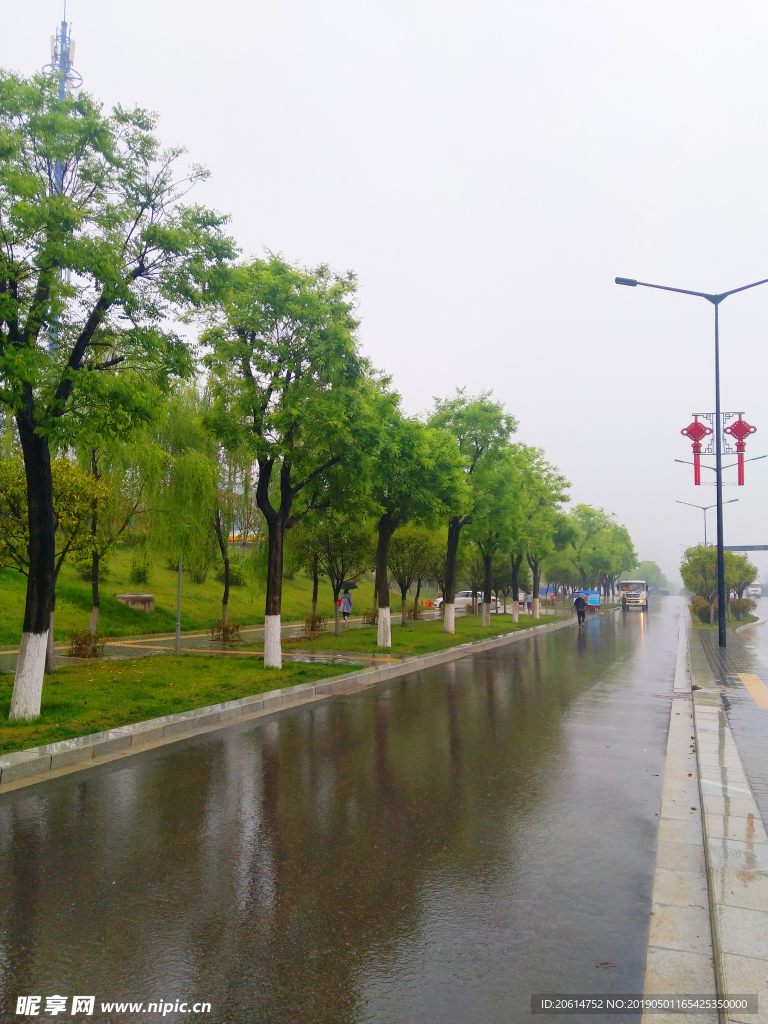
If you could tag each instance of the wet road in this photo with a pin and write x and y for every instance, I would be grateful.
(435, 849)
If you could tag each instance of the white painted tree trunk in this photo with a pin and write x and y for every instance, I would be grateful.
(50, 654)
(486, 620)
(515, 611)
(384, 630)
(273, 652)
(536, 608)
(449, 618)
(30, 669)
(94, 619)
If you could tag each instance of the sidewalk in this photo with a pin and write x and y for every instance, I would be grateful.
(731, 728)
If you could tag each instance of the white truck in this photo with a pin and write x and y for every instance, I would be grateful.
(635, 592)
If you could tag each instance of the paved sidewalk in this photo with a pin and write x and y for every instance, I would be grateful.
(735, 840)
(741, 680)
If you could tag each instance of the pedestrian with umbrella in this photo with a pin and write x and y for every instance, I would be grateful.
(345, 601)
(580, 604)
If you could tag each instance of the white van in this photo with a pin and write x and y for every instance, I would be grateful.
(463, 600)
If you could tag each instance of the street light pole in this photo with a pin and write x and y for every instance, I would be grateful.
(705, 509)
(715, 300)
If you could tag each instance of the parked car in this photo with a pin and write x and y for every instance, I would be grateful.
(463, 600)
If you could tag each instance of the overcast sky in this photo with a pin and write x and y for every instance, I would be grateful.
(487, 168)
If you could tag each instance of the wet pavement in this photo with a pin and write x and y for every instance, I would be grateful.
(435, 849)
(741, 672)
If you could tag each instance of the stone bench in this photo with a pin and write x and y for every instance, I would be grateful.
(141, 602)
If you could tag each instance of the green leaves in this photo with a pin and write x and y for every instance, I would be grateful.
(94, 262)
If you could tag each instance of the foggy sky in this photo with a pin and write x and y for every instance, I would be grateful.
(487, 168)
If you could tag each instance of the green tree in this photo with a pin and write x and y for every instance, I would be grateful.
(411, 554)
(415, 477)
(339, 546)
(543, 527)
(77, 496)
(494, 517)
(699, 571)
(94, 264)
(290, 384)
(482, 430)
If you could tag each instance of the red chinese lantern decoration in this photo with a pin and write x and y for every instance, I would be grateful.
(697, 432)
(740, 430)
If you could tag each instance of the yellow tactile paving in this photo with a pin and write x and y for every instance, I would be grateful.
(757, 688)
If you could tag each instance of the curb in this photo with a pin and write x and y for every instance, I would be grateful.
(37, 764)
(735, 847)
(750, 625)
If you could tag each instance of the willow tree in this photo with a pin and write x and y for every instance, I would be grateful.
(290, 384)
(482, 430)
(98, 253)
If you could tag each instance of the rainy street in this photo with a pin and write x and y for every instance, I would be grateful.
(437, 848)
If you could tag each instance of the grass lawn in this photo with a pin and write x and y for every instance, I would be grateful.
(200, 603)
(86, 698)
(417, 637)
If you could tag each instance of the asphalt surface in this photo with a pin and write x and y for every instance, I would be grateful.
(435, 849)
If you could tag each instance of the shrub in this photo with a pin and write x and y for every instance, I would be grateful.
(84, 644)
(236, 573)
(141, 571)
(172, 563)
(198, 573)
(700, 609)
(369, 618)
(742, 607)
(316, 624)
(226, 632)
(84, 567)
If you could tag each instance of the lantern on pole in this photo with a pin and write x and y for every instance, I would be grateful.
(696, 432)
(740, 430)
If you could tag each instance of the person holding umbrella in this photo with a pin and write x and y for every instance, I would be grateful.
(345, 602)
(580, 604)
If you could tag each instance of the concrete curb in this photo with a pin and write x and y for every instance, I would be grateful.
(750, 625)
(735, 847)
(40, 763)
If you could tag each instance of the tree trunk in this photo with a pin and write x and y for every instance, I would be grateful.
(224, 549)
(95, 599)
(449, 601)
(403, 608)
(385, 530)
(273, 654)
(94, 619)
(315, 588)
(336, 611)
(711, 613)
(486, 620)
(416, 599)
(517, 561)
(535, 566)
(50, 653)
(30, 665)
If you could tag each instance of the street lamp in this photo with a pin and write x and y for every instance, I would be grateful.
(715, 300)
(705, 509)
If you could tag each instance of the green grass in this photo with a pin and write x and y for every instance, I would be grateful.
(86, 698)
(200, 608)
(417, 637)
